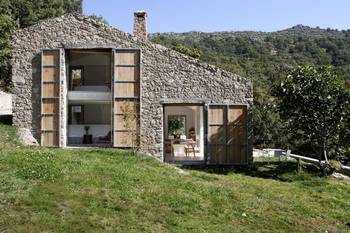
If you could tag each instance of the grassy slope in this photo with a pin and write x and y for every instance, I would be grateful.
(56, 190)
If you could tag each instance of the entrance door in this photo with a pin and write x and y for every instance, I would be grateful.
(227, 134)
(50, 97)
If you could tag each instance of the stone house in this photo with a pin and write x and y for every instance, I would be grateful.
(79, 82)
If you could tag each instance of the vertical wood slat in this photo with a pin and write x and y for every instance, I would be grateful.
(50, 97)
(227, 134)
(126, 93)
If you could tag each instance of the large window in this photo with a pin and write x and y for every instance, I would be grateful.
(177, 125)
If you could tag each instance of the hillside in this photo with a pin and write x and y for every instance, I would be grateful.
(106, 190)
(265, 56)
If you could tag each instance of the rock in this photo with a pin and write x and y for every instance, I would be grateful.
(26, 137)
(340, 176)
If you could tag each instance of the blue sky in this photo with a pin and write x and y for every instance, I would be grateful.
(223, 15)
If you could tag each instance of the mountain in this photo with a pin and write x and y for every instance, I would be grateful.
(265, 57)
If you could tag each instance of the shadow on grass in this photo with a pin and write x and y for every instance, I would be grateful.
(286, 171)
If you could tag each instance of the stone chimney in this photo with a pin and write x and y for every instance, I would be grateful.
(140, 24)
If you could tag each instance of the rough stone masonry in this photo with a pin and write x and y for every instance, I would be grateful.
(166, 76)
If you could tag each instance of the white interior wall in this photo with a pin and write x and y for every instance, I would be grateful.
(181, 110)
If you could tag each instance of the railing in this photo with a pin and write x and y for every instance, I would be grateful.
(345, 169)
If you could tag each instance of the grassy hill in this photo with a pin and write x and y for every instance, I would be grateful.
(106, 190)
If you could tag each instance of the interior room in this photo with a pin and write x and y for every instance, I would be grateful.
(183, 133)
(89, 124)
(89, 97)
(89, 70)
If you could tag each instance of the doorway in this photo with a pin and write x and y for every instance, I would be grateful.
(183, 127)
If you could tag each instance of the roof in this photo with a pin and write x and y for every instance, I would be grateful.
(28, 32)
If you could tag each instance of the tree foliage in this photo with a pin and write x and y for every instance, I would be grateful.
(315, 106)
(16, 14)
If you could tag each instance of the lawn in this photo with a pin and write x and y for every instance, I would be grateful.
(106, 190)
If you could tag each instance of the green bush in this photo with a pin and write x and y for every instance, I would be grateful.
(331, 166)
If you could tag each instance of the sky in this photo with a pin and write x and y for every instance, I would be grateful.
(223, 15)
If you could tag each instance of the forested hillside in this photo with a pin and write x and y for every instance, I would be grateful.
(266, 58)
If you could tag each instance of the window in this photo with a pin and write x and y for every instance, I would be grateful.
(76, 77)
(177, 125)
(76, 114)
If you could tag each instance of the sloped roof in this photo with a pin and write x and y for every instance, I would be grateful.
(22, 33)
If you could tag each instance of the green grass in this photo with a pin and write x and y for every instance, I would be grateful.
(105, 190)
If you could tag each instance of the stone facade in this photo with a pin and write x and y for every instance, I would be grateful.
(166, 76)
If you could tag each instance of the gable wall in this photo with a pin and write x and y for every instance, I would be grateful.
(166, 75)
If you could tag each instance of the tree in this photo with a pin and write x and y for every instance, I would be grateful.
(16, 14)
(315, 104)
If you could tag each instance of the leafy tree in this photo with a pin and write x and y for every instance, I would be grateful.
(316, 106)
(16, 14)
(192, 52)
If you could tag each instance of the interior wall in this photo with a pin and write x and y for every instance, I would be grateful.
(188, 111)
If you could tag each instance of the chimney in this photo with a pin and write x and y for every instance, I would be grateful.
(140, 24)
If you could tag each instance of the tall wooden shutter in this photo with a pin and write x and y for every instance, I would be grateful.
(227, 134)
(126, 96)
(50, 97)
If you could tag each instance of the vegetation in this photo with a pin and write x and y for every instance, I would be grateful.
(267, 58)
(16, 14)
(105, 190)
(315, 106)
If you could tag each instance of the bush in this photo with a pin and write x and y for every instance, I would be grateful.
(330, 167)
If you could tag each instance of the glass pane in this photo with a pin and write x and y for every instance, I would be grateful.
(177, 125)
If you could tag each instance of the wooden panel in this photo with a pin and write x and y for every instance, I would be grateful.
(126, 90)
(127, 73)
(123, 139)
(49, 122)
(217, 154)
(120, 105)
(217, 134)
(49, 138)
(236, 115)
(49, 106)
(50, 74)
(50, 90)
(50, 58)
(216, 115)
(236, 134)
(120, 124)
(227, 134)
(127, 57)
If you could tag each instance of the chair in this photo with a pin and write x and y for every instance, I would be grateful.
(190, 148)
(105, 139)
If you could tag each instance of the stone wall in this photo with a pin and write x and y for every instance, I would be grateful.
(166, 76)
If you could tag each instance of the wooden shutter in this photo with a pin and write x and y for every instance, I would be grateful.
(50, 97)
(227, 134)
(126, 96)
